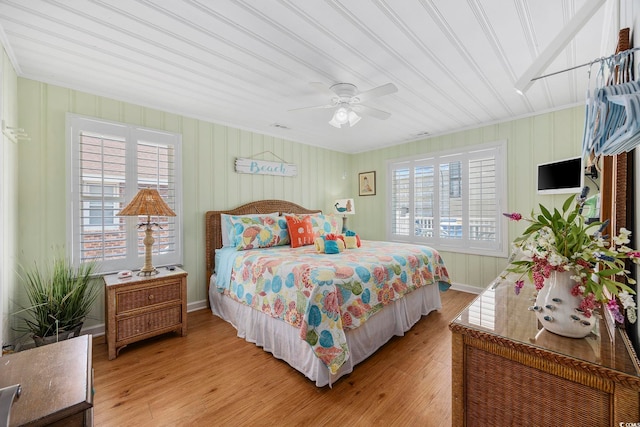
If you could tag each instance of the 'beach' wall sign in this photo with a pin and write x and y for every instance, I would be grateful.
(263, 167)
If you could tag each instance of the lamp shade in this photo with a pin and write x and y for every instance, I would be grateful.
(147, 202)
(344, 207)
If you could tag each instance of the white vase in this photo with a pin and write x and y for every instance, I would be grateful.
(558, 311)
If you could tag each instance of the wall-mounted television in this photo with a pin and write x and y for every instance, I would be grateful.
(563, 176)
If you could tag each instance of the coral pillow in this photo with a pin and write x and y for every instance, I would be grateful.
(300, 231)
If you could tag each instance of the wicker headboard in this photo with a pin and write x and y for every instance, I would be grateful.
(213, 231)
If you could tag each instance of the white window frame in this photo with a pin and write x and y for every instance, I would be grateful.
(499, 247)
(132, 134)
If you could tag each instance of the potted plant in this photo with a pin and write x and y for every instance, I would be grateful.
(60, 298)
(559, 249)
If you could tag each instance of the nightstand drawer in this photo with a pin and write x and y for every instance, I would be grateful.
(131, 300)
(141, 307)
(149, 322)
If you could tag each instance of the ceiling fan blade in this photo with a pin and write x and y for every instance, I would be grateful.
(320, 87)
(370, 111)
(315, 107)
(383, 90)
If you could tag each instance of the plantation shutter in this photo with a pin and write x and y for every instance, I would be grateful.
(400, 202)
(451, 213)
(424, 199)
(483, 197)
(113, 161)
(156, 169)
(451, 200)
(101, 187)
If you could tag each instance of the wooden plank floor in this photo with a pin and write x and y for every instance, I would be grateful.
(213, 378)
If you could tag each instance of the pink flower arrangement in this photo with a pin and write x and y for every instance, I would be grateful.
(513, 216)
(564, 242)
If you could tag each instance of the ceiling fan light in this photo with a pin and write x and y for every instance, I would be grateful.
(353, 118)
(340, 117)
(334, 123)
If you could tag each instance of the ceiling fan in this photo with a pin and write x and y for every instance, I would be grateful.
(347, 101)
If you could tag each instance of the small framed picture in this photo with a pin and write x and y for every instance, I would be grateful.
(367, 183)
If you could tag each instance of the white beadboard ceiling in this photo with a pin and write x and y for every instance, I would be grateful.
(246, 63)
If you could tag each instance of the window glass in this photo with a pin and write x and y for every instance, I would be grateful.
(424, 191)
(400, 201)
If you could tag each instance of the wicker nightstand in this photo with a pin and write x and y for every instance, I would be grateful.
(142, 307)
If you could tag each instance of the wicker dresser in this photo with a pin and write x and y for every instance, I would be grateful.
(506, 370)
(142, 307)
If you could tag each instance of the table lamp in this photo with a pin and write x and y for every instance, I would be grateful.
(344, 207)
(147, 202)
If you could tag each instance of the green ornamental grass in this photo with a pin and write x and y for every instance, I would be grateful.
(60, 297)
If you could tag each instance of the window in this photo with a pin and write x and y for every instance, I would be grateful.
(450, 200)
(110, 163)
(455, 179)
(99, 205)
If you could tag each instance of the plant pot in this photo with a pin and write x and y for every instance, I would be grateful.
(63, 334)
(558, 311)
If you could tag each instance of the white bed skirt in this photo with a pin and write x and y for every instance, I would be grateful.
(284, 342)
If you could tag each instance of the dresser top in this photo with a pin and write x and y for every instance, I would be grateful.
(55, 380)
(163, 273)
(498, 314)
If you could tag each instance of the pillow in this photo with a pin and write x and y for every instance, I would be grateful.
(329, 244)
(300, 230)
(352, 240)
(325, 224)
(259, 231)
(226, 228)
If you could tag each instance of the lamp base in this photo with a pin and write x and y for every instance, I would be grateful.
(147, 272)
(148, 269)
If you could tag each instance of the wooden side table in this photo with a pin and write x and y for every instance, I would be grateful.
(57, 383)
(141, 307)
(508, 370)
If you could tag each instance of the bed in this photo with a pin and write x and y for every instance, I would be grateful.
(321, 313)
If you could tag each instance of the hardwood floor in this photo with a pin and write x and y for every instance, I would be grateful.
(213, 378)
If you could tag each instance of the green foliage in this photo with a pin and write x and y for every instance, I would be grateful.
(563, 241)
(60, 296)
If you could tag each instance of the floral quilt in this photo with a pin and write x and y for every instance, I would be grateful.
(323, 295)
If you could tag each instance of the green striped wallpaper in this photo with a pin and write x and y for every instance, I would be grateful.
(210, 183)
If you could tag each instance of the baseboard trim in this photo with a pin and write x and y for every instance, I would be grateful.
(466, 288)
(197, 305)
